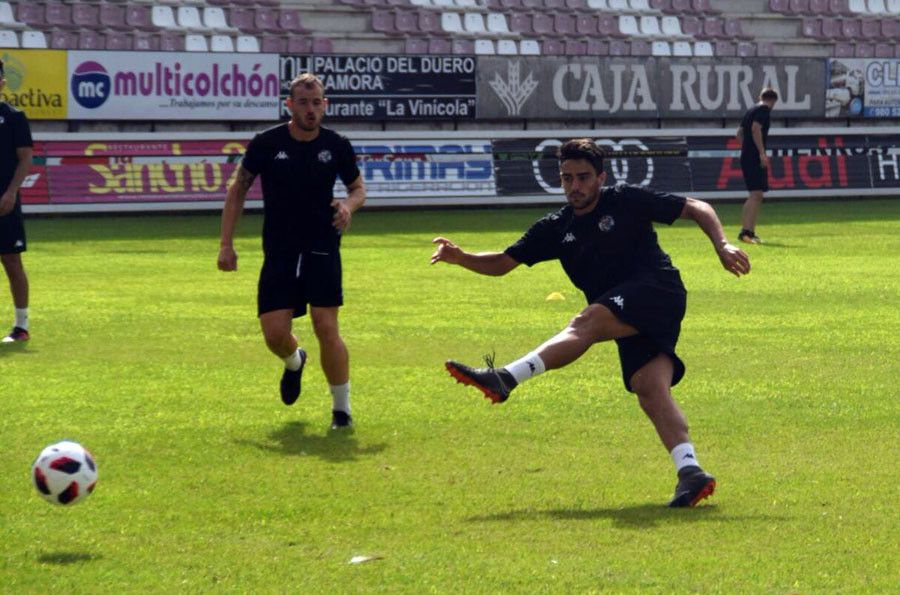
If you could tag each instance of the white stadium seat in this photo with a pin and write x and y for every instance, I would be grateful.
(8, 39)
(221, 43)
(661, 48)
(671, 27)
(163, 17)
(497, 25)
(195, 43)
(188, 17)
(473, 23)
(484, 47)
(7, 18)
(682, 48)
(650, 26)
(247, 43)
(214, 18)
(34, 40)
(628, 25)
(529, 47)
(451, 23)
(703, 48)
(507, 47)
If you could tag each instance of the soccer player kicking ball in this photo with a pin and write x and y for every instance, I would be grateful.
(605, 241)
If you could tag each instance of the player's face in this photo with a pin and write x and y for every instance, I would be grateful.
(581, 183)
(307, 106)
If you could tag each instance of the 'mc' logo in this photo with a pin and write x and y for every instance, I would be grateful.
(90, 85)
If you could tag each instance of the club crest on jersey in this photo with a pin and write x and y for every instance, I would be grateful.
(325, 156)
(2, 120)
(606, 223)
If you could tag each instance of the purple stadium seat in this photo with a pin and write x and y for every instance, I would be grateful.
(745, 49)
(890, 29)
(884, 50)
(383, 22)
(799, 7)
(734, 30)
(811, 28)
(597, 47)
(414, 45)
(765, 48)
(112, 16)
(462, 46)
(511, 4)
(840, 7)
(439, 45)
(586, 24)
(819, 7)
(137, 16)
(31, 14)
(91, 40)
(682, 6)
(536, 5)
(59, 15)
(639, 47)
(289, 21)
(843, 49)
(66, 40)
(265, 19)
(725, 48)
(145, 42)
(691, 26)
(242, 19)
(322, 45)
(553, 47)
(117, 40)
(430, 22)
(608, 26)
(299, 45)
(542, 24)
(704, 6)
(661, 5)
(564, 24)
(171, 42)
(519, 22)
(850, 29)
(714, 28)
(574, 47)
(618, 47)
(576, 5)
(831, 28)
(780, 6)
(864, 50)
(84, 14)
(406, 22)
(870, 29)
(272, 44)
(554, 6)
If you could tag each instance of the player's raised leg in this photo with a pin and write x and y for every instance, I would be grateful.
(276, 327)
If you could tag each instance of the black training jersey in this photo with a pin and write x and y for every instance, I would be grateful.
(613, 243)
(758, 113)
(14, 134)
(297, 184)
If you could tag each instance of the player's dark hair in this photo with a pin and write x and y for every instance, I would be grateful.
(307, 80)
(769, 94)
(582, 148)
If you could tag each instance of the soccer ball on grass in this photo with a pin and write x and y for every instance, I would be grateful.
(64, 473)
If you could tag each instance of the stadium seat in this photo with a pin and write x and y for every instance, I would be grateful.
(429, 22)
(289, 21)
(864, 50)
(798, 7)
(137, 16)
(465, 4)
(473, 23)
(640, 47)
(831, 28)
(507, 47)
(8, 39)
(704, 7)
(462, 46)
(746, 49)
(439, 45)
(890, 29)
(451, 23)
(641, 6)
(112, 16)
(682, 49)
(877, 7)
(7, 18)
(597, 47)
(32, 14)
(553, 47)
(703, 49)
(298, 45)
(529, 47)
(598, 5)
(691, 26)
(520, 22)
(714, 28)
(194, 42)
(322, 45)
(265, 19)
(213, 18)
(618, 47)
(661, 48)
(671, 27)
(586, 24)
(555, 6)
(221, 43)
(242, 19)
(247, 44)
(171, 42)
(618, 6)
(273, 44)
(843, 49)
(811, 28)
(163, 17)
(725, 48)
(406, 24)
(628, 26)
(564, 24)
(145, 42)
(575, 47)
(188, 17)
(445, 4)
(497, 25)
(119, 41)
(893, 7)
(91, 40)
(485, 47)
(608, 26)
(650, 26)
(850, 29)
(383, 22)
(819, 7)
(542, 24)
(59, 15)
(884, 50)
(840, 7)
(735, 30)
(67, 40)
(870, 29)
(857, 6)
(682, 6)
(535, 5)
(661, 5)
(34, 40)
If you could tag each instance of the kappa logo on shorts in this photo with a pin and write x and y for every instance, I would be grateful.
(281, 155)
(570, 237)
(2, 120)
(18, 244)
(606, 223)
(618, 300)
(325, 156)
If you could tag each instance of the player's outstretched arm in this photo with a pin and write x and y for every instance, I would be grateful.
(231, 212)
(484, 263)
(733, 259)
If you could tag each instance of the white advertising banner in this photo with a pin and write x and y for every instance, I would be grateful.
(172, 86)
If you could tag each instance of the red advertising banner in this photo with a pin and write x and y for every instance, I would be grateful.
(133, 171)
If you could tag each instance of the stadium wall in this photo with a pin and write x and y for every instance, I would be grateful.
(83, 173)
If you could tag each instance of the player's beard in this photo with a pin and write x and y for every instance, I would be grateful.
(582, 202)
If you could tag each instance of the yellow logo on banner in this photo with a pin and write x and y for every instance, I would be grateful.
(35, 82)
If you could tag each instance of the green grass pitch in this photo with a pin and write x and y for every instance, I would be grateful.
(152, 358)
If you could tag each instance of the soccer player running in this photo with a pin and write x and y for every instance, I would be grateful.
(753, 134)
(605, 241)
(298, 163)
(15, 162)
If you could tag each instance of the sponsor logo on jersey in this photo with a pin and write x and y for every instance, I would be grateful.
(606, 223)
(325, 156)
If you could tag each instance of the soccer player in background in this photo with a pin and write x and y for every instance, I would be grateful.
(753, 134)
(15, 162)
(298, 163)
(605, 241)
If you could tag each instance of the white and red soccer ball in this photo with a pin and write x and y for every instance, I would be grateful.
(64, 473)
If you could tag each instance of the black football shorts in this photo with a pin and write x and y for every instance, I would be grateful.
(655, 308)
(12, 231)
(756, 177)
(310, 278)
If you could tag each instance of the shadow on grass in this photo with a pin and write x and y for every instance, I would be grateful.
(640, 516)
(19, 348)
(335, 446)
(66, 558)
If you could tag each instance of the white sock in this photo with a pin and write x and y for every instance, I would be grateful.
(526, 367)
(340, 397)
(293, 361)
(683, 456)
(22, 318)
